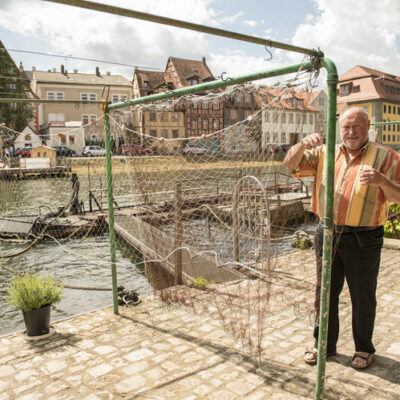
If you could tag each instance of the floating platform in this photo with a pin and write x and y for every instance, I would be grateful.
(34, 173)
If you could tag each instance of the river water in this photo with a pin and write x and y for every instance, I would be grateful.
(80, 262)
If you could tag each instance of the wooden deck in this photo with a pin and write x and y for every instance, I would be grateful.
(34, 173)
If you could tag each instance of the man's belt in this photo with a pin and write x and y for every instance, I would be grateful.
(348, 229)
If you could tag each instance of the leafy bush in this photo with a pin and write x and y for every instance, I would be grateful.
(32, 291)
(389, 231)
(199, 282)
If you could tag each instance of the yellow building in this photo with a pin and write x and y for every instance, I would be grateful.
(378, 93)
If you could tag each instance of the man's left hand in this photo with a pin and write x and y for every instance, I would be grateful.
(370, 176)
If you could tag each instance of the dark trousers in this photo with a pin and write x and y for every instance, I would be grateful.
(356, 257)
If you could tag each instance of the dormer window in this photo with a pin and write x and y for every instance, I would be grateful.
(146, 83)
(195, 69)
(345, 90)
(193, 81)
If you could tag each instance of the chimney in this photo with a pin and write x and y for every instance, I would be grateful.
(54, 69)
(21, 67)
(108, 73)
(204, 61)
(97, 71)
(75, 71)
(62, 69)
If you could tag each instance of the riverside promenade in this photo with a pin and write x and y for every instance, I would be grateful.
(158, 351)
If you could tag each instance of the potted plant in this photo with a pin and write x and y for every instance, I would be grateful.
(33, 294)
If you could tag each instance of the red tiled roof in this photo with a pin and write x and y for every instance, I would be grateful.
(186, 69)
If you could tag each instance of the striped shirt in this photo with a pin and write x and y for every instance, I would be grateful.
(354, 204)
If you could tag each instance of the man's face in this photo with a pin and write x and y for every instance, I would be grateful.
(353, 130)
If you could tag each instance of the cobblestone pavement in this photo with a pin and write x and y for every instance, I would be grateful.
(157, 351)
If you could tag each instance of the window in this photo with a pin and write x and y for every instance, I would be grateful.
(238, 97)
(291, 118)
(55, 95)
(164, 133)
(390, 109)
(311, 119)
(63, 139)
(94, 137)
(384, 126)
(215, 124)
(88, 96)
(205, 105)
(247, 98)
(384, 137)
(398, 110)
(153, 132)
(28, 138)
(13, 106)
(56, 117)
(344, 90)
(298, 118)
(283, 137)
(398, 127)
(93, 119)
(356, 89)
(266, 116)
(71, 139)
(175, 133)
(153, 116)
(234, 113)
(115, 98)
(13, 86)
(205, 123)
(194, 123)
(275, 137)
(215, 105)
(384, 108)
(366, 109)
(193, 81)
(164, 117)
(146, 83)
(321, 116)
(393, 138)
(275, 116)
(85, 119)
(194, 104)
(283, 118)
(174, 117)
(124, 97)
(389, 128)
(321, 102)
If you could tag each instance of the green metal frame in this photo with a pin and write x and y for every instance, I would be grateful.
(318, 61)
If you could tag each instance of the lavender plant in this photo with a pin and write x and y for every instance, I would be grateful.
(31, 291)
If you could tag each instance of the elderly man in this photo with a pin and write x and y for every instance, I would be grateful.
(366, 180)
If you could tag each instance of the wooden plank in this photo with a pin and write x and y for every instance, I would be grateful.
(158, 246)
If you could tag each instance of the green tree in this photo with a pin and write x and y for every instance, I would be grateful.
(13, 85)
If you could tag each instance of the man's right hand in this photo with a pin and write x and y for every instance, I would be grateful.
(312, 141)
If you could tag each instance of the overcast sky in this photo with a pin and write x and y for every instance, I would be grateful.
(350, 32)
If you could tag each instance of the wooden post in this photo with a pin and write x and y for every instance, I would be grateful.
(236, 224)
(178, 234)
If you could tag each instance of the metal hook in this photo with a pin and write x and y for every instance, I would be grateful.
(270, 54)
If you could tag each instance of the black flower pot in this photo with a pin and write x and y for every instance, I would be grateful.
(37, 322)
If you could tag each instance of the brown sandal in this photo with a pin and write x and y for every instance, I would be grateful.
(314, 359)
(369, 358)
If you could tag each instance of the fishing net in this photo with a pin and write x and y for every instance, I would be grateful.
(203, 206)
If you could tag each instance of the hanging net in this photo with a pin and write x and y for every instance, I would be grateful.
(203, 206)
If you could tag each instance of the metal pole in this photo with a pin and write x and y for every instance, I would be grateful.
(289, 69)
(328, 226)
(77, 102)
(236, 222)
(183, 24)
(111, 231)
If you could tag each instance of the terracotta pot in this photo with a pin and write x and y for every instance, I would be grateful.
(37, 322)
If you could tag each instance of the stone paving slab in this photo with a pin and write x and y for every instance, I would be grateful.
(158, 351)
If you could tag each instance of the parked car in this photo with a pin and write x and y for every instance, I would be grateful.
(63, 151)
(194, 149)
(90, 151)
(134, 149)
(23, 152)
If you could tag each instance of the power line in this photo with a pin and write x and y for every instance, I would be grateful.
(81, 58)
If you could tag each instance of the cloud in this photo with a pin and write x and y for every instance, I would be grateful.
(90, 34)
(250, 22)
(365, 36)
